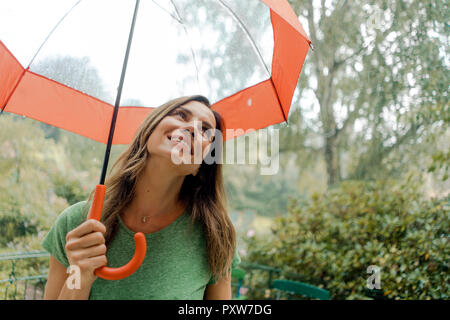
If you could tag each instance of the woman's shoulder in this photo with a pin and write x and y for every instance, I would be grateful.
(55, 240)
(73, 215)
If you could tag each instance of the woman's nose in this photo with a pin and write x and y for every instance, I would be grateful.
(189, 131)
(192, 128)
(186, 133)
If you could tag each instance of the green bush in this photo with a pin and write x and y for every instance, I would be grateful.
(332, 239)
(14, 222)
(69, 189)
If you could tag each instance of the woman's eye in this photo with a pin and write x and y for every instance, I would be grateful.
(181, 113)
(207, 133)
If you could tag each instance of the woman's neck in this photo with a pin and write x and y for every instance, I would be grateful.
(157, 191)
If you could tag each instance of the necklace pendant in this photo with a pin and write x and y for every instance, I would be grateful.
(144, 219)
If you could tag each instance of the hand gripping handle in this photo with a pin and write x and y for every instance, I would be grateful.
(139, 240)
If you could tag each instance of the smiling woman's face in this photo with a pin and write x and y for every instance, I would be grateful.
(183, 133)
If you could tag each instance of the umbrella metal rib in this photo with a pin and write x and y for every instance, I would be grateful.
(187, 34)
(247, 33)
(54, 28)
(170, 14)
(255, 48)
(2, 108)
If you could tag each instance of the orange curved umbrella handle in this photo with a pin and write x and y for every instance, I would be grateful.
(139, 241)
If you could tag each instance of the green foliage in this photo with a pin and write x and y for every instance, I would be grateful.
(441, 160)
(70, 189)
(14, 223)
(27, 164)
(333, 238)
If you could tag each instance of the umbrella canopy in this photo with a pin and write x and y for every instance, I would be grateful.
(245, 56)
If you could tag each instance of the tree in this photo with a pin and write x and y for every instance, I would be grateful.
(27, 163)
(363, 69)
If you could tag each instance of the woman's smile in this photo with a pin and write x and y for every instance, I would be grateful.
(176, 140)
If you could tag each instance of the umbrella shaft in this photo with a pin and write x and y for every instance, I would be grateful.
(119, 93)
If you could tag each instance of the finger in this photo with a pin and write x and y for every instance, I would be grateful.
(91, 239)
(87, 253)
(97, 262)
(95, 251)
(87, 227)
(86, 241)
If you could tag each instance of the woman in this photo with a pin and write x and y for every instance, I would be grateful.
(180, 207)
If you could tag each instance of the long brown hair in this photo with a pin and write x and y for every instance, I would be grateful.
(203, 193)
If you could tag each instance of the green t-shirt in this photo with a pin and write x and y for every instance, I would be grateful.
(175, 266)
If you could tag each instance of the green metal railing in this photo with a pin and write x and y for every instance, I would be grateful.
(259, 280)
(23, 276)
(26, 275)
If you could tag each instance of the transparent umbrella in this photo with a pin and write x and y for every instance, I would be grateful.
(97, 68)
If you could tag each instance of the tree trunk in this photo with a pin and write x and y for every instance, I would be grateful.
(332, 161)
